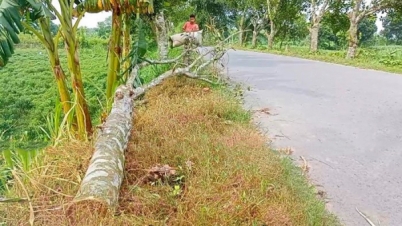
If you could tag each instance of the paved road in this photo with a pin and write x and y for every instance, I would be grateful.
(346, 122)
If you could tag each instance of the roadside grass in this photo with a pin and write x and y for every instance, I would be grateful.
(382, 58)
(223, 173)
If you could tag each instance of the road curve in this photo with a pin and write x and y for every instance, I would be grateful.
(346, 122)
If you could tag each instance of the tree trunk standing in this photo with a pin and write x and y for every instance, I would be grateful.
(314, 30)
(354, 18)
(241, 30)
(353, 40)
(271, 35)
(317, 10)
(270, 41)
(162, 35)
(254, 39)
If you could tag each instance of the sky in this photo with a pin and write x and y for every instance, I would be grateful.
(90, 20)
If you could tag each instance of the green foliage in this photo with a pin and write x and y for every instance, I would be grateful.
(385, 58)
(104, 28)
(218, 10)
(392, 24)
(367, 29)
(139, 47)
(11, 23)
(391, 59)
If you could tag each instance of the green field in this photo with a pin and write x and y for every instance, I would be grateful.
(29, 94)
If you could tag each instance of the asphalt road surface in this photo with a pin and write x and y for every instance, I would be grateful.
(346, 122)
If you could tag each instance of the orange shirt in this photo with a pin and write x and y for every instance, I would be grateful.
(188, 27)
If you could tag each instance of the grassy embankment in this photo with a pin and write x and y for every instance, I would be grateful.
(382, 58)
(224, 172)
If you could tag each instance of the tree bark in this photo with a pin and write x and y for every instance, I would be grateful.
(314, 30)
(271, 35)
(354, 18)
(254, 39)
(104, 176)
(162, 36)
(353, 40)
(241, 30)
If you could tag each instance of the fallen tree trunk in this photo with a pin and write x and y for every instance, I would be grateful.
(102, 181)
(105, 173)
(186, 37)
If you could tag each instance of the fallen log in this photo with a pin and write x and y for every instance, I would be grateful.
(180, 39)
(105, 173)
(104, 176)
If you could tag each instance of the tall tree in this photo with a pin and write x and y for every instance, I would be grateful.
(335, 25)
(359, 10)
(104, 27)
(241, 8)
(367, 28)
(281, 15)
(258, 20)
(220, 11)
(317, 11)
(272, 14)
(392, 24)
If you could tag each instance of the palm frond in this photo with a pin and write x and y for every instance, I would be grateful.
(139, 47)
(11, 23)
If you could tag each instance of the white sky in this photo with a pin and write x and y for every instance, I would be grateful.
(90, 20)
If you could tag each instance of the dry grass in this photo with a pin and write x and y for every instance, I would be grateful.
(224, 174)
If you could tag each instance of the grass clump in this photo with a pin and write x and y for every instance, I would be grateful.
(219, 170)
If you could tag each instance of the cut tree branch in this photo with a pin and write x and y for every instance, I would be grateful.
(148, 62)
(181, 71)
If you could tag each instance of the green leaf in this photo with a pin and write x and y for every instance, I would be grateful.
(139, 43)
(139, 47)
(11, 26)
(8, 158)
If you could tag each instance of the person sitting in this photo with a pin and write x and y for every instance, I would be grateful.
(191, 25)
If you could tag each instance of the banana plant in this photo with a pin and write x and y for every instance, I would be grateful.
(121, 11)
(68, 31)
(17, 15)
(12, 14)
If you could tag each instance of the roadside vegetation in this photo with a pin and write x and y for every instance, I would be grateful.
(218, 169)
(330, 34)
(382, 58)
(193, 155)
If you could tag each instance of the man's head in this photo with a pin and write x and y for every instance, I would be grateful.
(192, 18)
